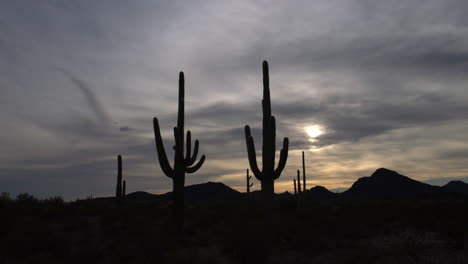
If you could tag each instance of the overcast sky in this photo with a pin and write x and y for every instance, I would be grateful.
(376, 83)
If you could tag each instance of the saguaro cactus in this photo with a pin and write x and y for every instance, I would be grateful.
(118, 191)
(299, 190)
(124, 191)
(295, 189)
(249, 184)
(303, 173)
(181, 165)
(269, 174)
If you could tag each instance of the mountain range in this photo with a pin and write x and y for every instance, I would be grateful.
(382, 184)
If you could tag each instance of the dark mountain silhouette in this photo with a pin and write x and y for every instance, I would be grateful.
(384, 183)
(142, 196)
(456, 187)
(208, 192)
(283, 195)
(320, 193)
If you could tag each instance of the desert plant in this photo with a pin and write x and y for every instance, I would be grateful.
(269, 174)
(249, 184)
(118, 191)
(295, 188)
(181, 165)
(299, 190)
(124, 187)
(303, 174)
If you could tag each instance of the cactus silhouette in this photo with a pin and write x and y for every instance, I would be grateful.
(299, 190)
(303, 174)
(181, 165)
(295, 188)
(249, 184)
(118, 191)
(124, 187)
(269, 174)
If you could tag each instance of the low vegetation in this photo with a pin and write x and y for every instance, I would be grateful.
(334, 231)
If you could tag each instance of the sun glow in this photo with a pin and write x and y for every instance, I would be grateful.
(314, 131)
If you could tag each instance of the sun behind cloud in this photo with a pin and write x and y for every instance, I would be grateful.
(314, 131)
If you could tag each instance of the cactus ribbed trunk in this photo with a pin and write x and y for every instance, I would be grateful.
(178, 192)
(181, 165)
(268, 174)
(179, 168)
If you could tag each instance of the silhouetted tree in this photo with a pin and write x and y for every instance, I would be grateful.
(181, 164)
(269, 174)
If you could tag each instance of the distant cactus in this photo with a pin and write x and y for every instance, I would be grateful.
(295, 188)
(303, 174)
(249, 184)
(269, 174)
(181, 164)
(299, 190)
(124, 193)
(118, 191)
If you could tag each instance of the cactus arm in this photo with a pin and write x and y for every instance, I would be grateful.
(196, 166)
(252, 154)
(251, 184)
(191, 160)
(189, 146)
(283, 158)
(165, 166)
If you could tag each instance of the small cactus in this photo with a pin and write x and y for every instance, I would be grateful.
(124, 187)
(303, 173)
(118, 191)
(299, 190)
(269, 174)
(249, 184)
(295, 188)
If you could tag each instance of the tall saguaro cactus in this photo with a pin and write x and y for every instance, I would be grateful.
(269, 174)
(118, 191)
(181, 165)
(124, 189)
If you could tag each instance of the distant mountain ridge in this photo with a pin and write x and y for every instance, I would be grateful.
(382, 184)
(385, 183)
(456, 187)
